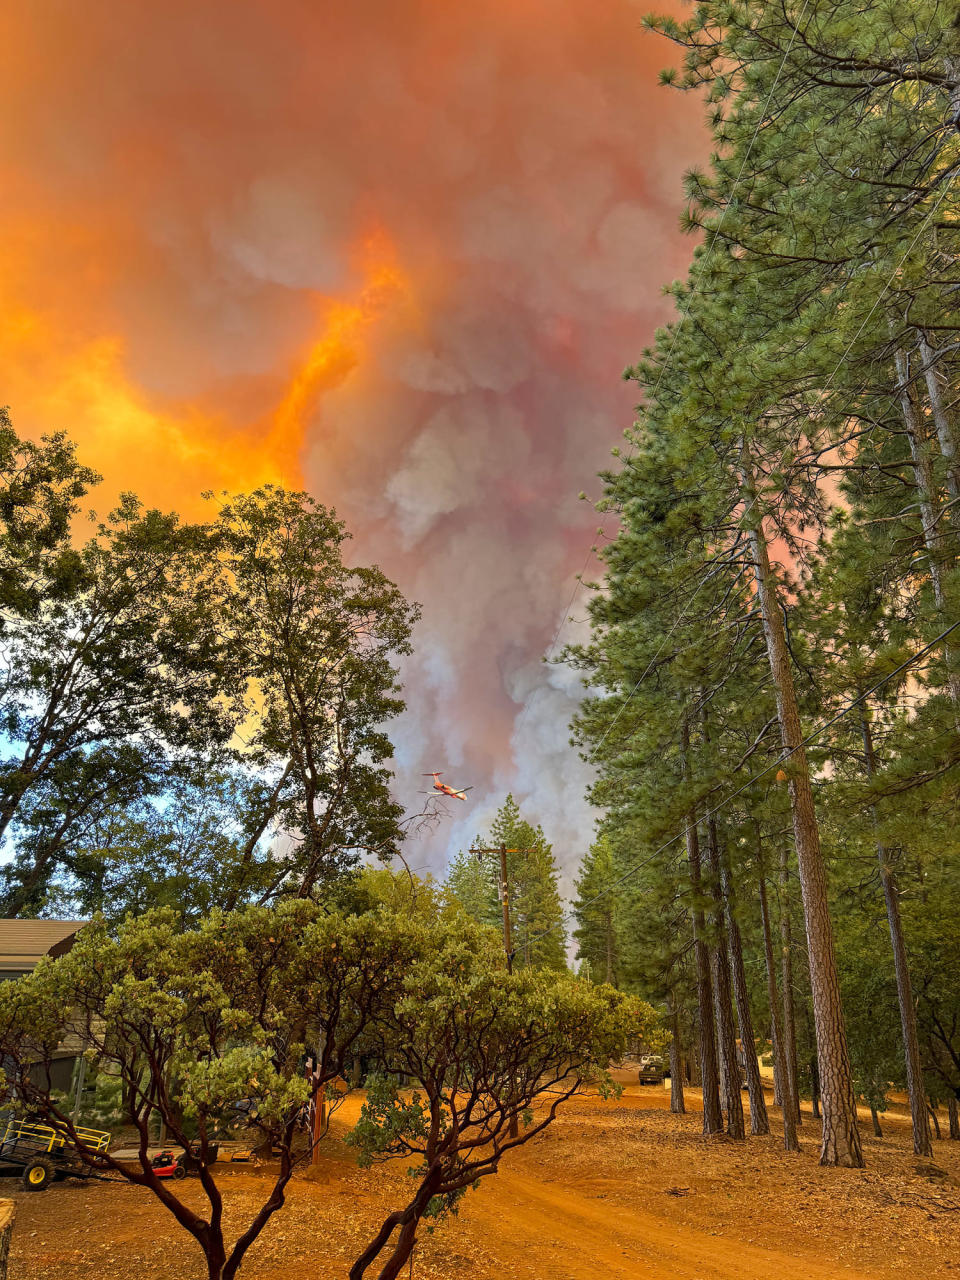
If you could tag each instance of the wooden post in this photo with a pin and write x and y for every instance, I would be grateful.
(319, 1122)
(7, 1214)
(507, 940)
(505, 896)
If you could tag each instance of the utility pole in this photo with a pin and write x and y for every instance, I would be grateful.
(504, 885)
(504, 894)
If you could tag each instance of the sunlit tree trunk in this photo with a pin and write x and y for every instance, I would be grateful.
(759, 1122)
(791, 1078)
(908, 1012)
(790, 1142)
(841, 1137)
(934, 532)
(941, 417)
(677, 1104)
(712, 1115)
(720, 959)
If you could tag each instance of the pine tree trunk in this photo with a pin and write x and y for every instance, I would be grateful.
(934, 533)
(841, 1137)
(941, 417)
(609, 924)
(953, 1113)
(720, 959)
(712, 1115)
(778, 1066)
(677, 1105)
(759, 1122)
(792, 1077)
(790, 1142)
(936, 1121)
(908, 1012)
(877, 1131)
(815, 1088)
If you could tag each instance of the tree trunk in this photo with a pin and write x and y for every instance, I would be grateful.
(841, 1137)
(609, 930)
(936, 1120)
(934, 534)
(759, 1122)
(908, 1012)
(815, 1088)
(790, 1142)
(778, 1066)
(877, 1131)
(677, 1105)
(720, 960)
(953, 1112)
(941, 417)
(791, 1077)
(712, 1116)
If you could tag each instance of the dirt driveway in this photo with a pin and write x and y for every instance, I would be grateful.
(617, 1190)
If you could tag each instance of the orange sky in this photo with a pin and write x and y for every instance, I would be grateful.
(396, 251)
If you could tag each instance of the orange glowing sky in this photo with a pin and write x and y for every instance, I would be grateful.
(396, 252)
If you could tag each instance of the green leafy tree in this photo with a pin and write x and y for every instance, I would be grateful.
(317, 642)
(107, 688)
(41, 485)
(491, 1057)
(197, 1023)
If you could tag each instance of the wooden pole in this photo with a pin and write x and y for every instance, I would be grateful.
(319, 1122)
(505, 896)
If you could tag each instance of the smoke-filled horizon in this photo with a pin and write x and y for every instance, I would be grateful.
(396, 252)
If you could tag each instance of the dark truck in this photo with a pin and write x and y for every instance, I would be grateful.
(652, 1070)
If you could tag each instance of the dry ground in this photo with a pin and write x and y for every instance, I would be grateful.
(618, 1190)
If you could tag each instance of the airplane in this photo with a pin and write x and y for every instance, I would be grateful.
(446, 789)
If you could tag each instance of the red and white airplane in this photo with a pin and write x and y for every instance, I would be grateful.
(446, 789)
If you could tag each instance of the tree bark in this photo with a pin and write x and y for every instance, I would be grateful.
(841, 1137)
(877, 1131)
(934, 533)
(712, 1115)
(941, 418)
(759, 1121)
(791, 1076)
(815, 1088)
(720, 960)
(790, 1142)
(677, 1105)
(953, 1112)
(908, 1012)
(936, 1120)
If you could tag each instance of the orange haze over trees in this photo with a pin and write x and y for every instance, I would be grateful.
(189, 289)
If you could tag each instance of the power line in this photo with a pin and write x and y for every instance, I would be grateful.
(781, 759)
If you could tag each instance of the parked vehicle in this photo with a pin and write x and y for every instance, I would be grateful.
(651, 1069)
(40, 1153)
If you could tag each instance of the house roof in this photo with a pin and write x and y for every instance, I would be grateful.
(23, 942)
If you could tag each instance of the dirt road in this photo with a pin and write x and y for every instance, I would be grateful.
(617, 1190)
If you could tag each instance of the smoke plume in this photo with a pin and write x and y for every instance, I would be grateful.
(397, 251)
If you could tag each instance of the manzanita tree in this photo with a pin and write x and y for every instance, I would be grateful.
(203, 1025)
